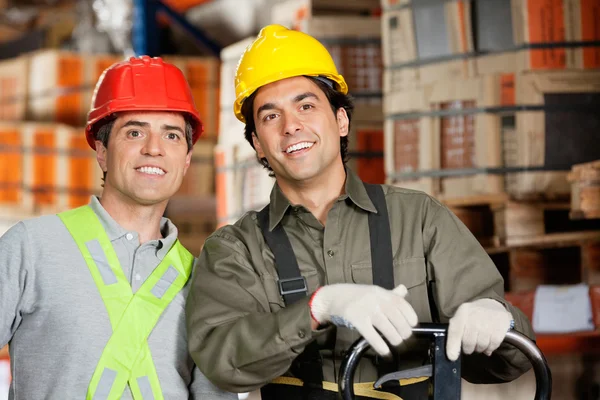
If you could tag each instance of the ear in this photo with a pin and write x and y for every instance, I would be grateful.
(259, 151)
(101, 155)
(342, 121)
(188, 161)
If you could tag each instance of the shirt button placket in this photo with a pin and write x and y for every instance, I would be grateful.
(334, 271)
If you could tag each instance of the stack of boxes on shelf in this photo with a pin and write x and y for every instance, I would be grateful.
(474, 87)
(487, 106)
(46, 164)
(351, 32)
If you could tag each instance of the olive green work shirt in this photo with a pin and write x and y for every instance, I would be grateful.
(242, 336)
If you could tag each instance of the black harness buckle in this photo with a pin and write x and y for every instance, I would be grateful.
(291, 285)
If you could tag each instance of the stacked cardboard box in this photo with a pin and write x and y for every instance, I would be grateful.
(429, 40)
(46, 167)
(447, 138)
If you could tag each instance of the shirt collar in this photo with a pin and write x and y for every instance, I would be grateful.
(354, 189)
(115, 231)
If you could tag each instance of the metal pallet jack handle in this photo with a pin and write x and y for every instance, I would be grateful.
(445, 373)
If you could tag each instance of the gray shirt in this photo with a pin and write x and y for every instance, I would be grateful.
(55, 321)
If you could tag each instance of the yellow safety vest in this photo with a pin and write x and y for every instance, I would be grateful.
(126, 359)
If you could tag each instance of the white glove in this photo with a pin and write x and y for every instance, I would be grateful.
(479, 326)
(366, 308)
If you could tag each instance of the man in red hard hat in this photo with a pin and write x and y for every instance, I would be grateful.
(92, 299)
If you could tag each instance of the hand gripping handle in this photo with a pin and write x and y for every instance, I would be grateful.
(543, 377)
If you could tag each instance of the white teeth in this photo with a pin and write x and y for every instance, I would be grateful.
(151, 170)
(299, 146)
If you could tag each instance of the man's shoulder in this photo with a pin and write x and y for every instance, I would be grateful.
(35, 230)
(242, 231)
(398, 193)
(39, 224)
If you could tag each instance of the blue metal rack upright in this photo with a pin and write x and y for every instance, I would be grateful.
(145, 29)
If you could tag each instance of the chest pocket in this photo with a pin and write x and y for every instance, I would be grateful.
(411, 272)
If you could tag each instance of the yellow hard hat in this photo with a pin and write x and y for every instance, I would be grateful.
(279, 53)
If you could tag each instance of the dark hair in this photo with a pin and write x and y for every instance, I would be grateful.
(103, 130)
(336, 99)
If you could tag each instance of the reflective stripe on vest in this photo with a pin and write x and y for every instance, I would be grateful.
(126, 359)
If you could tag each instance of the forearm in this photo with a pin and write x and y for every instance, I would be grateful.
(245, 354)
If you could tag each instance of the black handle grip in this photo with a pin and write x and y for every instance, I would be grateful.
(543, 377)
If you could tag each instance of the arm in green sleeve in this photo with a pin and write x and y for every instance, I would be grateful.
(234, 338)
(463, 272)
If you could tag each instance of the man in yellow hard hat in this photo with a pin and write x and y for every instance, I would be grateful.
(279, 296)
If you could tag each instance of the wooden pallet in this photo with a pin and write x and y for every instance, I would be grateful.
(498, 221)
(554, 262)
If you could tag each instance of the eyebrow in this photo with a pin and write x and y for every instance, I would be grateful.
(305, 95)
(265, 107)
(297, 99)
(135, 123)
(171, 128)
(146, 125)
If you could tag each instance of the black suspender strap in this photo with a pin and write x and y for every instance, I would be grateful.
(308, 366)
(292, 285)
(382, 262)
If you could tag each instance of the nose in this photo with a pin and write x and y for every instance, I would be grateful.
(153, 146)
(292, 124)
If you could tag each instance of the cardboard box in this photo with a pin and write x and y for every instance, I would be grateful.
(202, 74)
(355, 46)
(46, 166)
(549, 21)
(61, 85)
(13, 89)
(293, 13)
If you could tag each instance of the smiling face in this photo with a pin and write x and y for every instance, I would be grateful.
(297, 131)
(147, 157)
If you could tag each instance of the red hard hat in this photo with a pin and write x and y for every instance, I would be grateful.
(141, 84)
